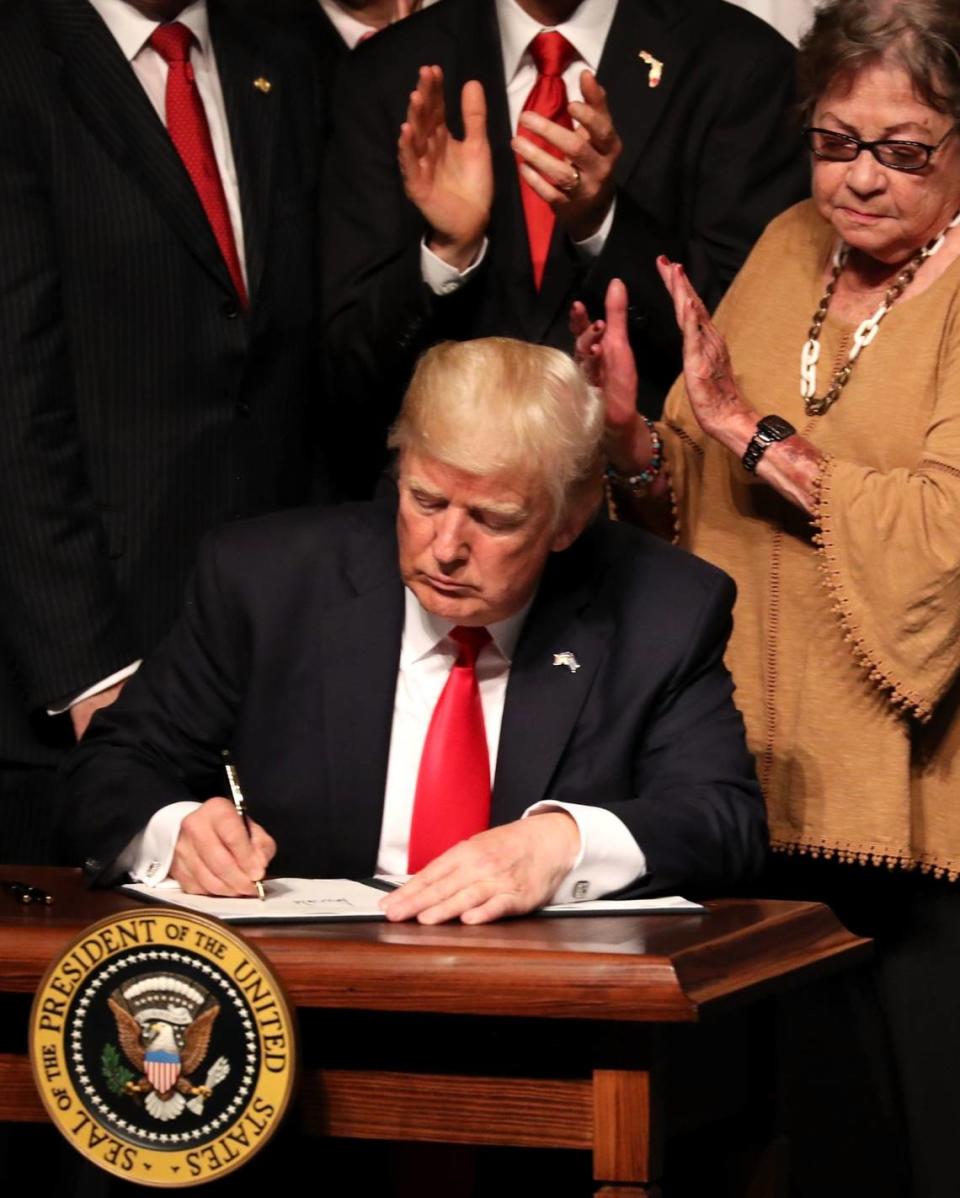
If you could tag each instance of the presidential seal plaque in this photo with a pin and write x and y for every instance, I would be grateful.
(163, 1047)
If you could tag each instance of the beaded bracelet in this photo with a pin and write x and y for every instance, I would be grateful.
(637, 484)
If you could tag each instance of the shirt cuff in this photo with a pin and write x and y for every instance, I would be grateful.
(609, 857)
(103, 685)
(440, 276)
(592, 246)
(148, 857)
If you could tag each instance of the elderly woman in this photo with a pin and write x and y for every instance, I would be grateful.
(812, 449)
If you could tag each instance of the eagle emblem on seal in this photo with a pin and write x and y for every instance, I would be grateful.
(164, 1024)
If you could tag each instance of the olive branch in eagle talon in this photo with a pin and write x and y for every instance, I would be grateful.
(115, 1073)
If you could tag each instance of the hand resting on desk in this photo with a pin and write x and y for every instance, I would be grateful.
(508, 870)
(214, 854)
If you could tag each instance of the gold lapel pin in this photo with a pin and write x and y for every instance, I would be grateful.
(262, 85)
(655, 65)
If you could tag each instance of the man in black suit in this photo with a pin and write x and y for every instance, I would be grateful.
(154, 384)
(686, 149)
(321, 647)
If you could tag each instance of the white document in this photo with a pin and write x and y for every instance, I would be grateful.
(290, 899)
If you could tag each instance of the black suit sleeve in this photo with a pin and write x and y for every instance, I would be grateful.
(60, 619)
(697, 811)
(159, 743)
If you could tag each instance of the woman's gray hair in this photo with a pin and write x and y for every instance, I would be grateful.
(921, 36)
(499, 406)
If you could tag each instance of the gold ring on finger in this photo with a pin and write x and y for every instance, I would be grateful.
(572, 184)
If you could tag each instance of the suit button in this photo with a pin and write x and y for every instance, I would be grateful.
(231, 309)
(243, 408)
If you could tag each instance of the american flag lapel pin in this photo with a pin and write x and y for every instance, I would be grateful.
(656, 68)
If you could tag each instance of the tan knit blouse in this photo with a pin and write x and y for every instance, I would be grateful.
(846, 642)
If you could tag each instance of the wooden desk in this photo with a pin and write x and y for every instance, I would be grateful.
(542, 1032)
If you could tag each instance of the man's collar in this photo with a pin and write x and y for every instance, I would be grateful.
(350, 28)
(586, 30)
(132, 29)
(423, 631)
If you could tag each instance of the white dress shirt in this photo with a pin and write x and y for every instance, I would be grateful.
(609, 856)
(132, 30)
(586, 31)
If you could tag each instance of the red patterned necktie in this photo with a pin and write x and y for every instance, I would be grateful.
(453, 785)
(190, 133)
(552, 54)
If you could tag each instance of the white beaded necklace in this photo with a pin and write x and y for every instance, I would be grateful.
(810, 354)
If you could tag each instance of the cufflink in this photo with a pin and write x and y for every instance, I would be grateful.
(581, 889)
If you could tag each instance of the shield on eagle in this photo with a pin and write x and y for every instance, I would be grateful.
(162, 1069)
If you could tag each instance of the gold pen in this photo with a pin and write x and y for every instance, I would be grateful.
(239, 802)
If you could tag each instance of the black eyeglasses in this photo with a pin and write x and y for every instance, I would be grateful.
(898, 155)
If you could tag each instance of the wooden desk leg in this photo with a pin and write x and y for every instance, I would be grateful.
(625, 1134)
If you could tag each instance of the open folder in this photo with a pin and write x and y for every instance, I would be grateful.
(291, 899)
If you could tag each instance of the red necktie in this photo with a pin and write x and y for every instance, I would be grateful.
(552, 54)
(190, 133)
(453, 785)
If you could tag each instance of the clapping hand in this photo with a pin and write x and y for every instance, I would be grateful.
(707, 369)
(604, 353)
(449, 181)
(579, 185)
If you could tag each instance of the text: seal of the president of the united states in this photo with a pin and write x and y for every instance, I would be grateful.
(163, 1047)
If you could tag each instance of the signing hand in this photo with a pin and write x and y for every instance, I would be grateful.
(450, 181)
(707, 369)
(578, 186)
(508, 870)
(214, 854)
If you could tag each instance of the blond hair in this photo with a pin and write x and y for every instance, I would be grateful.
(499, 406)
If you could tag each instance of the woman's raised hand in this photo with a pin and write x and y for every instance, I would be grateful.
(707, 369)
